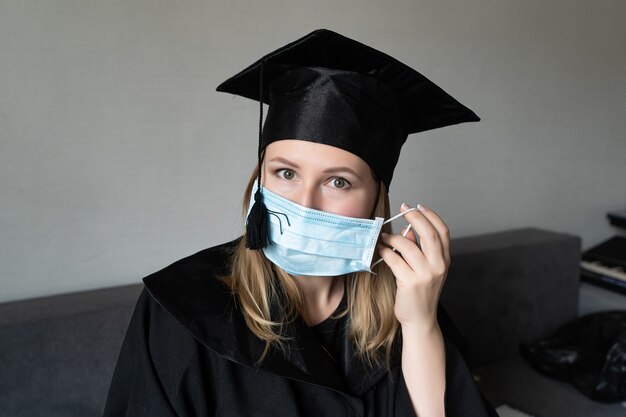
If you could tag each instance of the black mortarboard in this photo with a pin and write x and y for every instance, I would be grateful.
(330, 89)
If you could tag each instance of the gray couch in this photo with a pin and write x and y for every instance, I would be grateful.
(511, 287)
(57, 354)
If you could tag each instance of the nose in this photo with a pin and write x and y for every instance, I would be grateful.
(307, 196)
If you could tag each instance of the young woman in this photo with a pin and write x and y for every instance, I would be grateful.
(298, 317)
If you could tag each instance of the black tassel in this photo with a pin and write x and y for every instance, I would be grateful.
(257, 224)
(257, 233)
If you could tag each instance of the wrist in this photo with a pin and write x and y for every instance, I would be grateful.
(420, 328)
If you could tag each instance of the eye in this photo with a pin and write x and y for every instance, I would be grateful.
(340, 183)
(286, 174)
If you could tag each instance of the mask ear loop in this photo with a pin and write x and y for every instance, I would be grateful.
(406, 232)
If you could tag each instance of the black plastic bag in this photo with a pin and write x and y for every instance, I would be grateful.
(589, 352)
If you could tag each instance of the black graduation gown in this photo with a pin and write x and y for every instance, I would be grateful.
(188, 352)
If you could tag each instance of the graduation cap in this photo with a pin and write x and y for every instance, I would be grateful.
(330, 89)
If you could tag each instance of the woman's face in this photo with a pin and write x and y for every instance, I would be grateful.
(321, 177)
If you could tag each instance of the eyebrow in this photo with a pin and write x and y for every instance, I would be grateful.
(332, 170)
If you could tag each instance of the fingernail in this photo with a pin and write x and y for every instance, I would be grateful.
(404, 207)
(422, 208)
(383, 234)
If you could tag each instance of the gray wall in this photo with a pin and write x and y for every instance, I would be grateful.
(117, 157)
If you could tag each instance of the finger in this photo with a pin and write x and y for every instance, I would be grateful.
(395, 262)
(442, 229)
(430, 241)
(407, 231)
(408, 250)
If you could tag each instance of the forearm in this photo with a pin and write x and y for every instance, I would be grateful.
(423, 366)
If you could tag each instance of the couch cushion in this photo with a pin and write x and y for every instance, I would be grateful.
(512, 286)
(58, 353)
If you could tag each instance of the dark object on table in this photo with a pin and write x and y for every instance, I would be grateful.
(589, 352)
(617, 218)
(604, 265)
(603, 280)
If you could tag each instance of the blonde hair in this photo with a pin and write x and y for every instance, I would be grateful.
(259, 284)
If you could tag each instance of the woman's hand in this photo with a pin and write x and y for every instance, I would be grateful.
(420, 272)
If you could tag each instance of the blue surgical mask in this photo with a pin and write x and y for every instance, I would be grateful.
(305, 241)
